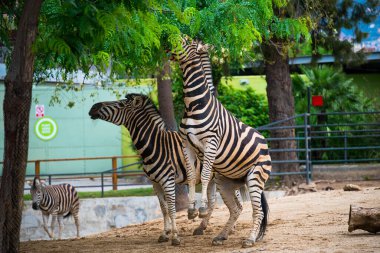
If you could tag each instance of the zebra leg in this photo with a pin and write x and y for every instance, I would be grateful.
(255, 182)
(164, 209)
(190, 158)
(45, 219)
(206, 175)
(227, 189)
(53, 219)
(211, 195)
(60, 226)
(76, 218)
(169, 191)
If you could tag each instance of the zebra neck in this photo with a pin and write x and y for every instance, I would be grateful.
(46, 200)
(195, 83)
(144, 128)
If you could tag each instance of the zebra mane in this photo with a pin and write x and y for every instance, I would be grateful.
(148, 102)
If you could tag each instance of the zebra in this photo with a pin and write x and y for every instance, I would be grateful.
(60, 201)
(237, 152)
(161, 151)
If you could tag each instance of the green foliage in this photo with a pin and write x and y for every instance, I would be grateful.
(338, 91)
(339, 95)
(252, 108)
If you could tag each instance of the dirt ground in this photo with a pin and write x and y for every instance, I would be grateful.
(311, 222)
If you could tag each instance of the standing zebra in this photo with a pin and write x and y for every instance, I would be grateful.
(161, 151)
(60, 201)
(237, 152)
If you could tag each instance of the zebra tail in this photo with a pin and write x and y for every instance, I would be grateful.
(264, 222)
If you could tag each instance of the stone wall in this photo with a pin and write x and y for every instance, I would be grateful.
(95, 216)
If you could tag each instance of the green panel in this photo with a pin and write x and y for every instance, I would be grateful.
(78, 135)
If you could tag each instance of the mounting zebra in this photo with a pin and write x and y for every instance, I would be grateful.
(161, 151)
(60, 201)
(237, 152)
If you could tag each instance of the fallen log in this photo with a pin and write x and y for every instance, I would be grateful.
(367, 219)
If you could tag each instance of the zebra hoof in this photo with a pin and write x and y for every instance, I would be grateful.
(163, 238)
(198, 231)
(203, 212)
(176, 242)
(217, 241)
(192, 213)
(247, 243)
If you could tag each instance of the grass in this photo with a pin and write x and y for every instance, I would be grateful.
(136, 192)
(257, 83)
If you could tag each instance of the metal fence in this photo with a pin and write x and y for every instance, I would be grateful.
(132, 175)
(320, 138)
(327, 138)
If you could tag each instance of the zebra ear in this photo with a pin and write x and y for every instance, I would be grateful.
(29, 183)
(36, 183)
(138, 101)
(43, 183)
(202, 48)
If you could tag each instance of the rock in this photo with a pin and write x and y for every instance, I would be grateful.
(302, 188)
(329, 188)
(311, 187)
(351, 187)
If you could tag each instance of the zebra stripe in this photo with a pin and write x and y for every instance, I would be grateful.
(160, 150)
(222, 142)
(60, 201)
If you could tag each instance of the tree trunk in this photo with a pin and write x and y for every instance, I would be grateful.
(17, 102)
(281, 106)
(165, 102)
(367, 219)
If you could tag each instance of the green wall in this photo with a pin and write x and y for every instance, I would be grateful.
(78, 135)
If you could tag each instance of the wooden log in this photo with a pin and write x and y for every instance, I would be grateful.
(367, 219)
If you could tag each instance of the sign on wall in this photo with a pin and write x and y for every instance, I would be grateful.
(40, 111)
(46, 128)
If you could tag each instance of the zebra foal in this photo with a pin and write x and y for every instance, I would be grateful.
(59, 201)
(160, 150)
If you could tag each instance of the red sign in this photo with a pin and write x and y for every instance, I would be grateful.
(317, 100)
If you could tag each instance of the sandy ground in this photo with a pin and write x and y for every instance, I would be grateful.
(312, 222)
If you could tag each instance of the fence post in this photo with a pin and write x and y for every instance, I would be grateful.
(307, 150)
(345, 146)
(114, 175)
(37, 169)
(102, 181)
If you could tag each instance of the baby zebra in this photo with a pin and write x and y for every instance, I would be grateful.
(60, 201)
(161, 151)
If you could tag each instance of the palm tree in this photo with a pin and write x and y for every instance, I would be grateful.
(340, 94)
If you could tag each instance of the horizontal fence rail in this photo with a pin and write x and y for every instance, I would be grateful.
(326, 138)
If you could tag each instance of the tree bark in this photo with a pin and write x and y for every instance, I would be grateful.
(165, 102)
(367, 219)
(17, 102)
(281, 106)
(165, 96)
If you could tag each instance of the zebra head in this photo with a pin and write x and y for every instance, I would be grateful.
(118, 112)
(36, 191)
(189, 50)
